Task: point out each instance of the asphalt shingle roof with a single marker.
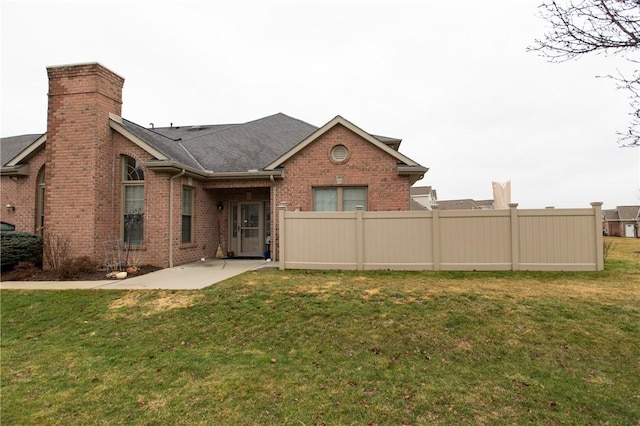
(610, 214)
(249, 146)
(212, 148)
(628, 212)
(421, 190)
(227, 147)
(465, 204)
(14, 145)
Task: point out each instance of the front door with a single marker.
(629, 229)
(250, 233)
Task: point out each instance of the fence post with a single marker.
(515, 237)
(435, 235)
(281, 234)
(597, 212)
(359, 238)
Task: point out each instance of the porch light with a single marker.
(11, 208)
(220, 206)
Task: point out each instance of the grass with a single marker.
(333, 348)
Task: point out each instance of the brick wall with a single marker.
(367, 166)
(83, 158)
(20, 191)
(204, 223)
(83, 155)
(157, 187)
(79, 177)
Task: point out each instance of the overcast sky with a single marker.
(451, 78)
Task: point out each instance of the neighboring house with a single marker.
(465, 204)
(623, 221)
(180, 192)
(423, 197)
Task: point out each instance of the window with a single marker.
(132, 201)
(325, 199)
(131, 170)
(187, 215)
(40, 202)
(7, 227)
(352, 197)
(331, 199)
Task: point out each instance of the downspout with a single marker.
(274, 218)
(171, 215)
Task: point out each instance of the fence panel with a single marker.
(475, 240)
(393, 241)
(319, 241)
(554, 239)
(542, 239)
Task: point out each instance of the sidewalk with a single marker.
(192, 276)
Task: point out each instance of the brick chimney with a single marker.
(80, 166)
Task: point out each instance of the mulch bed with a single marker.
(33, 273)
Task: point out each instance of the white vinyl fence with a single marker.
(538, 239)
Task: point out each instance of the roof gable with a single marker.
(225, 148)
(125, 129)
(628, 212)
(261, 145)
(157, 145)
(338, 120)
(16, 149)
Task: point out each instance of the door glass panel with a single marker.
(250, 215)
(250, 232)
(234, 226)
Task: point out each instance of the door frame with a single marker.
(235, 228)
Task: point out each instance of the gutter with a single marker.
(171, 180)
(409, 170)
(416, 172)
(274, 219)
(171, 166)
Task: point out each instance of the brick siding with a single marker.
(20, 191)
(367, 166)
(83, 201)
(78, 167)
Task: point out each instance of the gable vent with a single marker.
(339, 153)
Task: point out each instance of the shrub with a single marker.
(77, 267)
(18, 247)
(607, 247)
(56, 250)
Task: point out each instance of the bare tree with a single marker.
(610, 27)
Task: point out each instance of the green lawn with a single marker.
(334, 348)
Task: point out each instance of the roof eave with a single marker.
(116, 124)
(173, 167)
(167, 166)
(415, 173)
(259, 174)
(20, 170)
